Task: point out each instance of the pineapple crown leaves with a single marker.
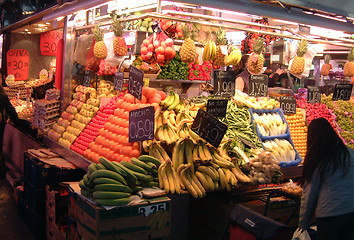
(117, 26)
(220, 37)
(258, 45)
(186, 31)
(302, 48)
(327, 58)
(351, 54)
(97, 34)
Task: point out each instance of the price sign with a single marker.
(141, 124)
(288, 104)
(18, 63)
(87, 78)
(217, 107)
(209, 128)
(118, 81)
(313, 94)
(136, 82)
(49, 42)
(342, 92)
(224, 83)
(147, 210)
(258, 85)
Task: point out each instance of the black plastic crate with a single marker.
(40, 174)
(35, 197)
(21, 204)
(36, 223)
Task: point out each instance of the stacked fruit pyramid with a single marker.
(298, 130)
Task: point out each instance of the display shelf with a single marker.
(178, 81)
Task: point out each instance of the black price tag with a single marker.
(224, 83)
(87, 78)
(136, 82)
(209, 128)
(288, 104)
(258, 85)
(313, 94)
(141, 124)
(342, 92)
(217, 107)
(118, 81)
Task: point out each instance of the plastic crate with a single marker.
(35, 197)
(36, 223)
(40, 174)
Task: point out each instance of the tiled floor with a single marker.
(12, 226)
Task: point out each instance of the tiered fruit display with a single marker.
(175, 70)
(112, 183)
(221, 42)
(188, 51)
(298, 65)
(349, 65)
(90, 132)
(157, 48)
(255, 61)
(209, 52)
(200, 72)
(144, 66)
(119, 45)
(270, 124)
(326, 67)
(298, 130)
(104, 89)
(343, 111)
(100, 48)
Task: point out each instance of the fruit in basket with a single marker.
(220, 40)
(255, 61)
(349, 66)
(298, 64)
(209, 52)
(280, 149)
(99, 49)
(188, 52)
(326, 67)
(119, 45)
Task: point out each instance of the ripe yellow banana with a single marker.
(223, 180)
(177, 154)
(160, 178)
(188, 152)
(162, 152)
(208, 171)
(241, 177)
(187, 183)
(198, 184)
(170, 178)
(189, 176)
(210, 181)
(176, 180)
(203, 180)
(166, 185)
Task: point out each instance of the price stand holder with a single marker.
(136, 82)
(313, 94)
(217, 107)
(342, 92)
(209, 128)
(87, 76)
(141, 124)
(118, 81)
(258, 85)
(224, 83)
(288, 104)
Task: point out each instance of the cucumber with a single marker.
(108, 174)
(112, 188)
(109, 195)
(113, 202)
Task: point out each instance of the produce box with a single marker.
(57, 205)
(140, 221)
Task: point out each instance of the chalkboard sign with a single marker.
(313, 94)
(217, 107)
(288, 105)
(141, 124)
(87, 78)
(118, 81)
(136, 82)
(342, 92)
(224, 83)
(258, 85)
(209, 128)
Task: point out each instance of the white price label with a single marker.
(147, 210)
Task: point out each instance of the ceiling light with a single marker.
(48, 23)
(26, 29)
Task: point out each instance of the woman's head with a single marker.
(325, 149)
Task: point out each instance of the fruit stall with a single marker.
(138, 109)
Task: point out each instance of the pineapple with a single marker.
(99, 49)
(255, 61)
(327, 66)
(349, 66)
(220, 40)
(119, 46)
(188, 52)
(298, 65)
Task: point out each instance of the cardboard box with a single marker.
(147, 220)
(57, 204)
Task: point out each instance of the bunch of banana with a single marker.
(171, 101)
(158, 221)
(183, 115)
(166, 133)
(191, 181)
(209, 177)
(183, 130)
(180, 107)
(201, 153)
(169, 179)
(183, 153)
(209, 52)
(158, 152)
(234, 57)
(220, 160)
(228, 180)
